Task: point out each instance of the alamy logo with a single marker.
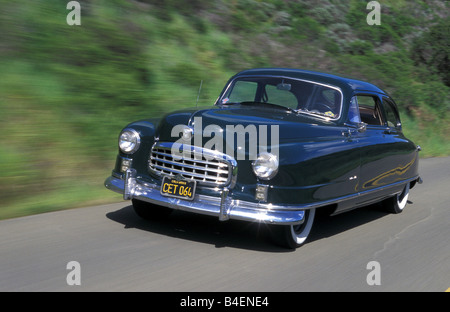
(374, 276)
(374, 16)
(241, 142)
(74, 276)
(74, 16)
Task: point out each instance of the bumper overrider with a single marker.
(224, 206)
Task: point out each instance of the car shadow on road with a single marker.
(201, 228)
(327, 226)
(239, 234)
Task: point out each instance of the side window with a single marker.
(326, 101)
(392, 118)
(281, 97)
(369, 109)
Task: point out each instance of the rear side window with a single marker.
(369, 109)
(392, 118)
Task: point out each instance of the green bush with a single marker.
(432, 49)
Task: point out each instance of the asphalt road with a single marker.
(117, 251)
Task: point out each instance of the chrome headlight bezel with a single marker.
(265, 166)
(129, 141)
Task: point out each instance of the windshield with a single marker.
(291, 94)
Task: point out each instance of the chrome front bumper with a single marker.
(223, 207)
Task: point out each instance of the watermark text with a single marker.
(74, 276)
(374, 16)
(74, 16)
(239, 141)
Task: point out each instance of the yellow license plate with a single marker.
(183, 189)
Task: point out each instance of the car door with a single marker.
(377, 144)
(387, 157)
(403, 156)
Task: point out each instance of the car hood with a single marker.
(291, 126)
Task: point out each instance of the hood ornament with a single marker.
(187, 133)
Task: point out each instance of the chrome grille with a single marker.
(204, 166)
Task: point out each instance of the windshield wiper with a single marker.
(230, 103)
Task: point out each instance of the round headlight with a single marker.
(129, 141)
(265, 166)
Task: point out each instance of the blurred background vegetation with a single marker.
(67, 91)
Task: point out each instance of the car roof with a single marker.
(347, 85)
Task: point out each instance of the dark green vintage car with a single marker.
(277, 145)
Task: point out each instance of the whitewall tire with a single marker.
(397, 203)
(294, 236)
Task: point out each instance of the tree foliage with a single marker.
(432, 49)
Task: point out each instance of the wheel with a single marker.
(294, 236)
(149, 211)
(397, 203)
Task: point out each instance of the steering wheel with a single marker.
(317, 106)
